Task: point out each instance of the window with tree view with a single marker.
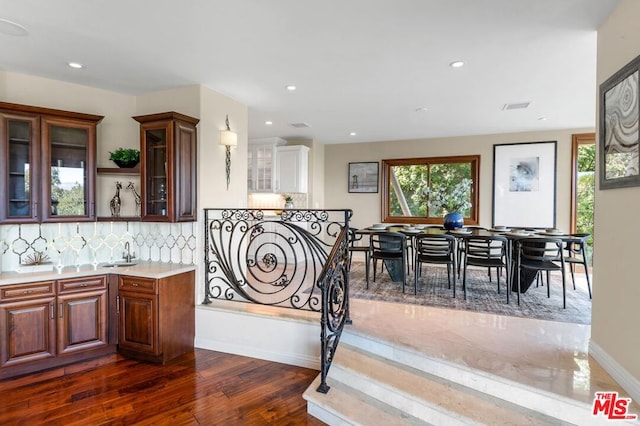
(423, 190)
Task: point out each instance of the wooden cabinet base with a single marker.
(27, 368)
(156, 317)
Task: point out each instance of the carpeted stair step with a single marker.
(343, 405)
(428, 398)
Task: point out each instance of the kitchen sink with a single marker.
(119, 264)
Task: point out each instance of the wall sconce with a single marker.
(228, 139)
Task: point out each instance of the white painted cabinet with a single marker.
(261, 154)
(292, 168)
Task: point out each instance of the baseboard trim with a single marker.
(254, 352)
(618, 372)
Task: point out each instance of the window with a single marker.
(404, 182)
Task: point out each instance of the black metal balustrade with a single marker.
(296, 260)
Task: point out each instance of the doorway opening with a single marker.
(583, 161)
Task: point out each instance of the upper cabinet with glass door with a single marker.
(49, 173)
(168, 179)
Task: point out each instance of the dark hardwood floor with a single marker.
(201, 388)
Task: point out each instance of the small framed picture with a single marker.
(363, 177)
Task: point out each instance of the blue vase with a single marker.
(453, 220)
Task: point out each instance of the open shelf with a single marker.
(119, 171)
(119, 219)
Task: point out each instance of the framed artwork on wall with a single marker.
(363, 177)
(524, 184)
(619, 148)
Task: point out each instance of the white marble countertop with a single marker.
(143, 269)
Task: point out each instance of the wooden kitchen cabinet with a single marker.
(168, 174)
(51, 323)
(82, 314)
(27, 323)
(156, 316)
(48, 174)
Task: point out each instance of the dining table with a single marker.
(527, 277)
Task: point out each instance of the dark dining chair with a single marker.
(355, 246)
(487, 251)
(540, 254)
(435, 249)
(391, 248)
(575, 249)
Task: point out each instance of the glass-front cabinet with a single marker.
(168, 177)
(48, 160)
(69, 170)
(19, 188)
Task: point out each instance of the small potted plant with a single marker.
(288, 201)
(125, 157)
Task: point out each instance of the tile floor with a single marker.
(550, 356)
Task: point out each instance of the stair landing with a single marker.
(420, 364)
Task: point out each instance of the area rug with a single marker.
(482, 294)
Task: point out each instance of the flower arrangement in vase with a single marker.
(451, 200)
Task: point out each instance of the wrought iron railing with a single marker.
(296, 260)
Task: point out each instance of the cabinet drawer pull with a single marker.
(27, 292)
(84, 285)
(134, 284)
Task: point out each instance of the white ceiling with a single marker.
(360, 65)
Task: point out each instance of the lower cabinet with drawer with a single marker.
(51, 323)
(156, 316)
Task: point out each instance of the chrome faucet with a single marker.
(127, 255)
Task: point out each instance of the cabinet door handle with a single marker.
(60, 309)
(51, 308)
(35, 209)
(118, 304)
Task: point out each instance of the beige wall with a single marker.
(617, 290)
(366, 207)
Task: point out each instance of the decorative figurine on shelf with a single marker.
(162, 192)
(115, 201)
(136, 195)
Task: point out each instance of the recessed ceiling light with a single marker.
(11, 28)
(456, 64)
(268, 122)
(542, 118)
(75, 65)
(352, 133)
(422, 109)
(291, 87)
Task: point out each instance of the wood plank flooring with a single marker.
(201, 388)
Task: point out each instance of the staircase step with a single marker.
(423, 396)
(343, 405)
(554, 407)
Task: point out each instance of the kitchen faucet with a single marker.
(127, 256)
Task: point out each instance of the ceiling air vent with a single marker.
(518, 105)
(300, 125)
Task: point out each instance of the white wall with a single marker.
(616, 294)
(367, 208)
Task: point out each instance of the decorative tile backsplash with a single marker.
(70, 244)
